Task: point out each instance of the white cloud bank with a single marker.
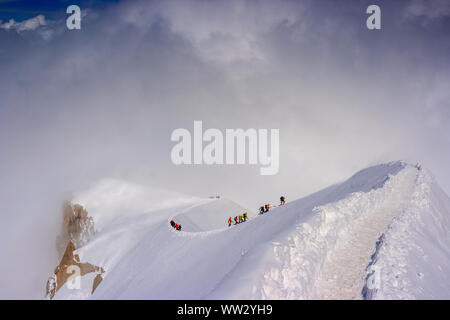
(26, 25)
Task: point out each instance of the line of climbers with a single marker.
(265, 208)
(238, 219)
(175, 225)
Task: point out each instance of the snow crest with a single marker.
(325, 257)
(413, 258)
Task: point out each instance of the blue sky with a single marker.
(53, 9)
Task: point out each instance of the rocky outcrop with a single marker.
(70, 266)
(76, 230)
(77, 227)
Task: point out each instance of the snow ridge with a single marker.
(413, 258)
(325, 257)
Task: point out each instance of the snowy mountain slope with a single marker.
(316, 247)
(323, 243)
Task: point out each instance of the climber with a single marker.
(172, 223)
(266, 207)
(240, 218)
(261, 210)
(229, 222)
(179, 227)
(236, 220)
(245, 216)
(282, 200)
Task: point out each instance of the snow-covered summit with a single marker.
(383, 233)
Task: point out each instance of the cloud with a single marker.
(26, 25)
(45, 29)
(224, 31)
(428, 11)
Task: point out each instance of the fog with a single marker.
(77, 106)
